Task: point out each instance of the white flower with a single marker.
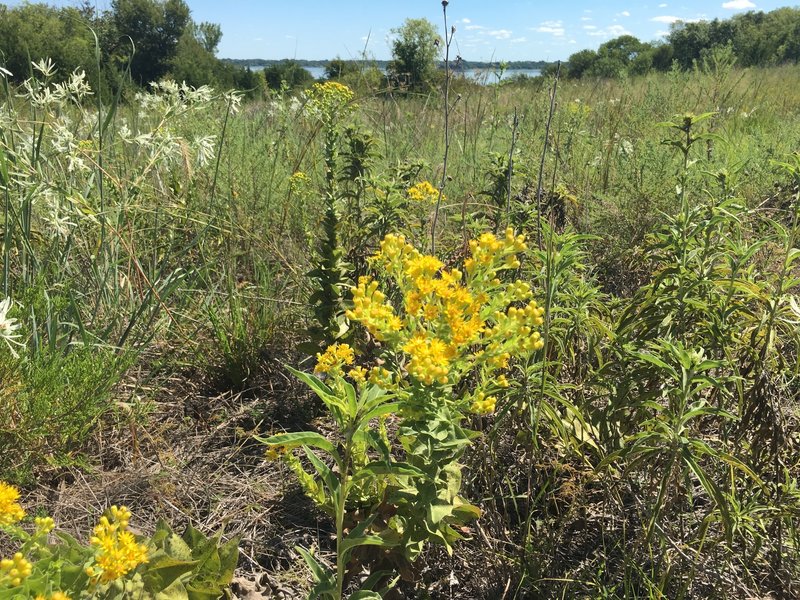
(8, 326)
(204, 147)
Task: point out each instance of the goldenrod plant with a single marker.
(444, 351)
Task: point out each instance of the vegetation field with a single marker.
(529, 340)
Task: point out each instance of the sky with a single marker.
(485, 29)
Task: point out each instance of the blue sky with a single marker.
(485, 30)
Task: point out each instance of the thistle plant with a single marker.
(443, 351)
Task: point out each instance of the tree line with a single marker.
(754, 39)
(133, 42)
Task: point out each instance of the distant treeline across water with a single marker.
(486, 75)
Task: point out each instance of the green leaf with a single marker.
(163, 570)
(320, 389)
(381, 410)
(328, 477)
(383, 467)
(352, 404)
(657, 362)
(300, 438)
(320, 573)
(176, 547)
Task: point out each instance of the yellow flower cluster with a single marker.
(330, 97)
(488, 248)
(273, 453)
(483, 404)
(424, 193)
(381, 376)
(118, 552)
(334, 358)
(44, 525)
(13, 571)
(54, 596)
(370, 307)
(453, 324)
(298, 182)
(430, 358)
(10, 509)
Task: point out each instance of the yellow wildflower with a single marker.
(13, 571)
(275, 452)
(430, 358)
(10, 509)
(358, 374)
(44, 525)
(334, 357)
(381, 377)
(483, 404)
(370, 307)
(424, 192)
(118, 552)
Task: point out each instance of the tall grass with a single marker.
(647, 451)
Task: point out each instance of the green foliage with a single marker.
(52, 403)
(415, 49)
(287, 74)
(156, 27)
(338, 68)
(144, 39)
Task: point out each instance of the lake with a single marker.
(484, 76)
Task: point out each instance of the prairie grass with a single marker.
(647, 450)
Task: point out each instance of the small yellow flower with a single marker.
(358, 374)
(334, 357)
(14, 570)
(44, 525)
(117, 551)
(424, 193)
(10, 509)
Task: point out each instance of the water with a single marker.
(484, 76)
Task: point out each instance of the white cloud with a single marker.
(501, 34)
(586, 18)
(669, 20)
(555, 28)
(663, 5)
(465, 20)
(738, 4)
(617, 30)
(611, 31)
(624, 13)
(519, 40)
(666, 19)
(474, 27)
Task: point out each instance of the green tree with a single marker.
(580, 63)
(156, 27)
(415, 48)
(288, 73)
(209, 35)
(32, 32)
(338, 68)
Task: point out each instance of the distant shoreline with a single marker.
(382, 64)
